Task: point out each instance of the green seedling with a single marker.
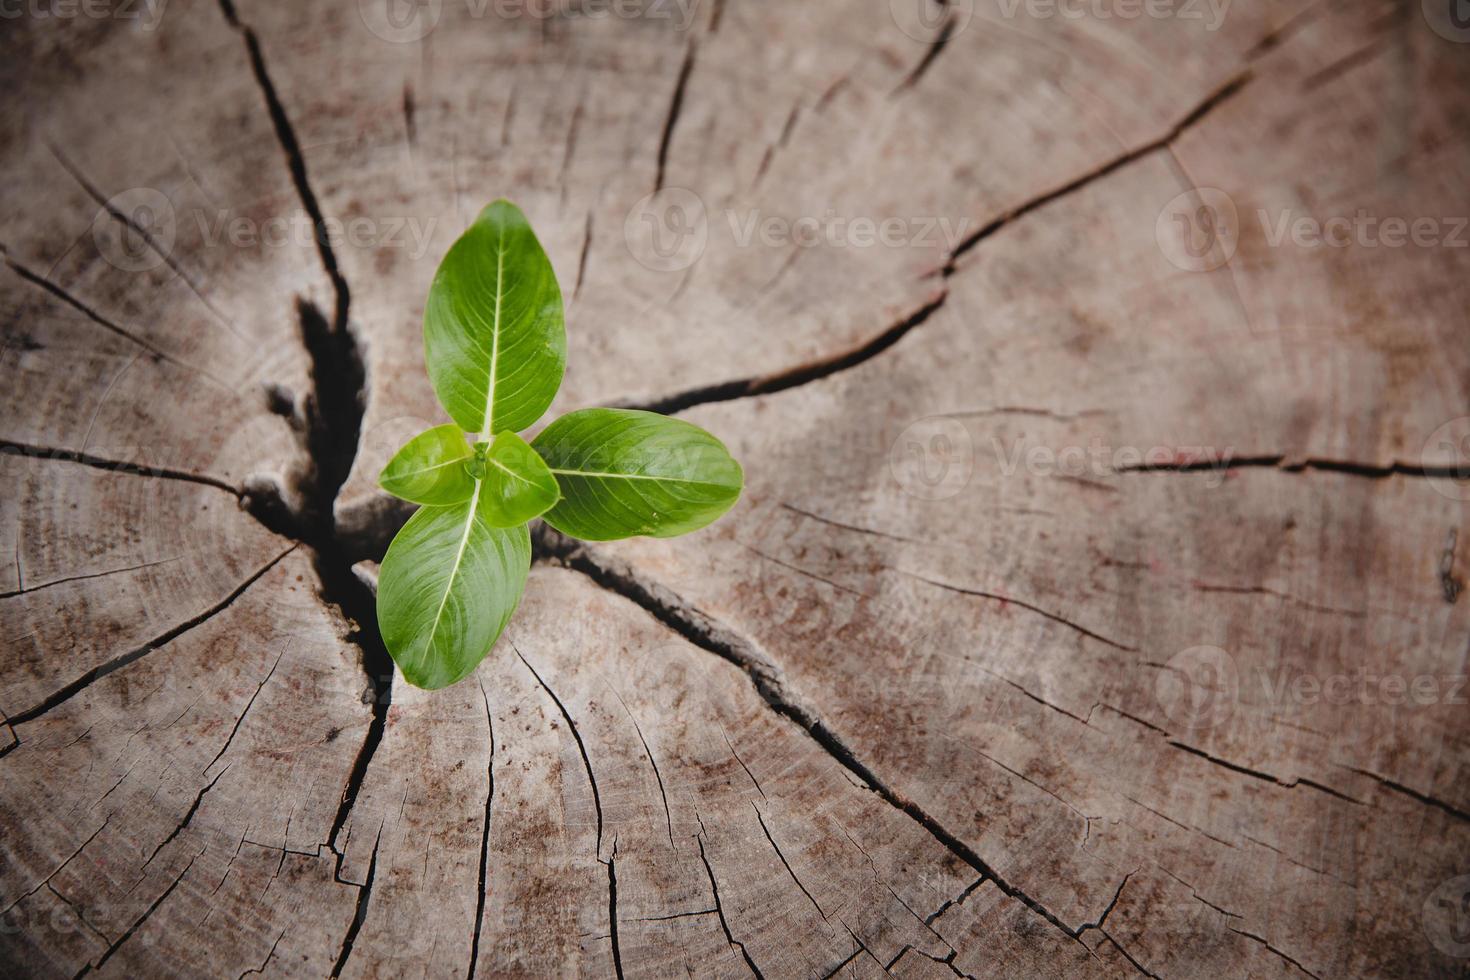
(495, 348)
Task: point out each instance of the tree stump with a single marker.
(1093, 607)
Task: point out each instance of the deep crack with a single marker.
(1204, 108)
(676, 104)
(825, 367)
(359, 915)
(334, 424)
(1279, 461)
(714, 637)
(581, 747)
(720, 908)
(802, 374)
(11, 448)
(484, 840)
(69, 691)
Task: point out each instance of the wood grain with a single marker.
(1093, 608)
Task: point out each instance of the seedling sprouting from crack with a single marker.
(495, 348)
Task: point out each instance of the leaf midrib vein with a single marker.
(454, 569)
(641, 476)
(429, 469)
(513, 474)
(488, 428)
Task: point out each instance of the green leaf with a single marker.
(494, 340)
(624, 473)
(447, 588)
(430, 468)
(518, 484)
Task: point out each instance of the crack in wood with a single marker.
(1412, 793)
(60, 867)
(785, 863)
(794, 377)
(141, 919)
(66, 297)
(295, 159)
(481, 894)
(581, 746)
(335, 415)
(671, 119)
(11, 448)
(1129, 957)
(1180, 824)
(90, 575)
(826, 367)
(1450, 585)
(932, 53)
(188, 816)
(1264, 776)
(68, 691)
(146, 236)
(1211, 102)
(1279, 461)
(996, 596)
(268, 956)
(612, 909)
(248, 705)
(957, 900)
(359, 915)
(768, 680)
(720, 908)
(582, 256)
(1273, 949)
(1102, 919)
(668, 816)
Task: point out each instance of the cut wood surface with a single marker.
(1093, 608)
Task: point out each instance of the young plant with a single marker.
(495, 347)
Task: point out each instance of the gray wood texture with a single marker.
(1093, 607)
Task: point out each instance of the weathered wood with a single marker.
(1092, 609)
